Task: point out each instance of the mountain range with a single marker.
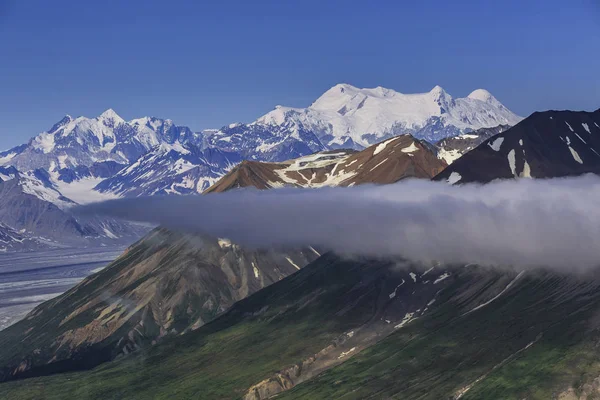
(80, 160)
(206, 318)
(76, 149)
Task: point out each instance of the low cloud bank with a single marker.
(553, 223)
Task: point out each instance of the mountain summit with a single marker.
(346, 115)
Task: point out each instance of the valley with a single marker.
(30, 278)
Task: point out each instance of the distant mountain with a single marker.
(170, 169)
(108, 156)
(31, 205)
(12, 240)
(387, 162)
(82, 141)
(452, 148)
(349, 117)
(81, 160)
(544, 145)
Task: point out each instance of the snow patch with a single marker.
(575, 155)
(580, 138)
(569, 126)
(109, 234)
(7, 158)
(44, 142)
(410, 149)
(496, 144)
(498, 295)
(454, 178)
(393, 294)
(526, 170)
(345, 353)
(586, 127)
(224, 243)
(449, 156)
(407, 318)
(413, 276)
(441, 278)
(381, 146)
(82, 191)
(512, 162)
(292, 262)
(314, 251)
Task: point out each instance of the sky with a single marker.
(206, 64)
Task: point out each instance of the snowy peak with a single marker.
(438, 92)
(110, 118)
(82, 142)
(67, 119)
(362, 117)
(482, 95)
(344, 95)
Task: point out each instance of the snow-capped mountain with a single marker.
(74, 147)
(171, 169)
(258, 141)
(349, 117)
(31, 205)
(89, 159)
(546, 144)
(452, 148)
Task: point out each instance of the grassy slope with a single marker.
(434, 358)
(223, 359)
(431, 358)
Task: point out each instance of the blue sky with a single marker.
(205, 64)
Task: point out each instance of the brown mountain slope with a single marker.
(386, 162)
(166, 284)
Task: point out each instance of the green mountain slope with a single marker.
(355, 329)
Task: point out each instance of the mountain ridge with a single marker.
(547, 144)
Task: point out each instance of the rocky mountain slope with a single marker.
(362, 328)
(544, 145)
(387, 162)
(452, 148)
(165, 285)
